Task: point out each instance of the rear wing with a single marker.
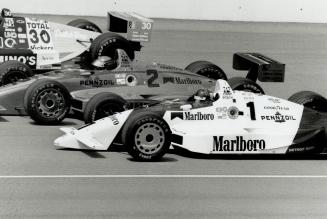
(137, 27)
(259, 67)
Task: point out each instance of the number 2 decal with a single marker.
(154, 75)
(252, 110)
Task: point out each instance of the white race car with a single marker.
(31, 46)
(222, 122)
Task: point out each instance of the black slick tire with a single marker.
(47, 102)
(244, 84)
(106, 45)
(11, 71)
(310, 99)
(102, 105)
(84, 24)
(206, 69)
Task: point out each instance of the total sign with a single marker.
(39, 35)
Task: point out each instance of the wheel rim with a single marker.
(13, 76)
(107, 109)
(149, 138)
(50, 103)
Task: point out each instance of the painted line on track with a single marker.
(159, 176)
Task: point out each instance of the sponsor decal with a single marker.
(20, 21)
(96, 82)
(237, 144)
(114, 119)
(10, 34)
(278, 117)
(38, 25)
(22, 41)
(187, 81)
(276, 107)
(168, 79)
(178, 80)
(22, 36)
(222, 112)
(9, 22)
(10, 42)
(192, 116)
(41, 47)
(233, 112)
(227, 93)
(274, 100)
(301, 149)
(29, 60)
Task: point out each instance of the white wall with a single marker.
(240, 10)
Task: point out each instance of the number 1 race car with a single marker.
(123, 84)
(29, 45)
(224, 122)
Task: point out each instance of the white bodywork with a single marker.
(238, 122)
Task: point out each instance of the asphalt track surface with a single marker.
(39, 181)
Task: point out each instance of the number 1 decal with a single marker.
(252, 110)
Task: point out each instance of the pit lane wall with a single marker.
(313, 11)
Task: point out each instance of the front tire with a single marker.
(12, 71)
(146, 136)
(310, 99)
(206, 69)
(244, 84)
(102, 105)
(47, 102)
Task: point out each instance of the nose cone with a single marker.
(69, 141)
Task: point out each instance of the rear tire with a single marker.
(206, 69)
(102, 105)
(310, 99)
(12, 71)
(106, 45)
(85, 24)
(47, 102)
(244, 84)
(146, 136)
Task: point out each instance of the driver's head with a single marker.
(105, 62)
(5, 12)
(202, 94)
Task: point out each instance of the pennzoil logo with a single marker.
(237, 144)
(278, 117)
(192, 116)
(96, 82)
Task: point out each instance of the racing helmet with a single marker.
(105, 62)
(5, 12)
(202, 95)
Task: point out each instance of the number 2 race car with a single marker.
(123, 84)
(29, 45)
(224, 122)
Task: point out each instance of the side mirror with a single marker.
(86, 74)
